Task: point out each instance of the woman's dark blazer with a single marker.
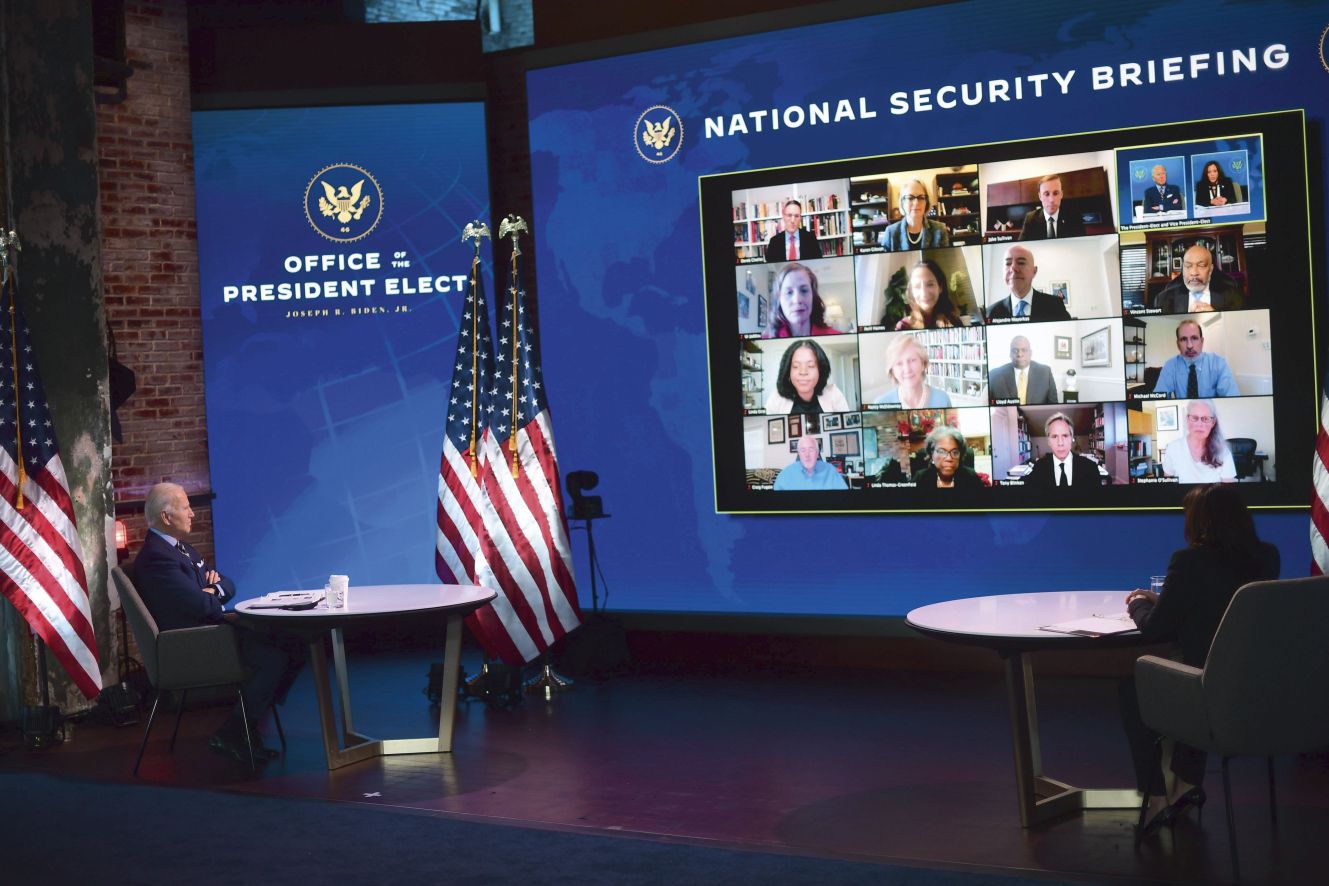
(965, 478)
(1200, 584)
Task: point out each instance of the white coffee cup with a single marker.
(338, 589)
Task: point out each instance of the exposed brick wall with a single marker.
(150, 262)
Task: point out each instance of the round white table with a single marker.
(367, 603)
(1010, 624)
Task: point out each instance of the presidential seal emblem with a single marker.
(658, 135)
(343, 202)
(1324, 58)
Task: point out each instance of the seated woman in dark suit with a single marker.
(946, 451)
(1222, 554)
(1214, 188)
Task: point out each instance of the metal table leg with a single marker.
(1040, 797)
(352, 747)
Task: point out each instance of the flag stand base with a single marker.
(497, 685)
(43, 727)
(548, 683)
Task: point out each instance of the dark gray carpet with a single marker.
(55, 831)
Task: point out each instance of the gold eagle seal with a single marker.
(343, 202)
(658, 134)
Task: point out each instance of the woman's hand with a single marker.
(1141, 594)
(903, 324)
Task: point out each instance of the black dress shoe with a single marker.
(236, 750)
(260, 749)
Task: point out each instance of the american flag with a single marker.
(462, 509)
(1320, 493)
(41, 560)
(516, 530)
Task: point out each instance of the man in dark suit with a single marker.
(1200, 288)
(806, 245)
(1062, 468)
(1048, 222)
(1161, 197)
(1023, 300)
(180, 590)
(1004, 382)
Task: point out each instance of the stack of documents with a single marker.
(285, 599)
(1093, 626)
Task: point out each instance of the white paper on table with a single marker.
(1093, 626)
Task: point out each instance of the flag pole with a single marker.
(474, 231)
(513, 224)
(7, 242)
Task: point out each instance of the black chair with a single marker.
(1261, 690)
(184, 659)
(1243, 456)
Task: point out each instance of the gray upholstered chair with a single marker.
(182, 659)
(1261, 691)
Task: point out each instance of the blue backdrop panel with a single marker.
(325, 415)
(618, 251)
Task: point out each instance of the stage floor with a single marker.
(901, 767)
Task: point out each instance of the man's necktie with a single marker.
(1192, 384)
(1020, 308)
(1022, 384)
(792, 240)
(1052, 228)
(1062, 481)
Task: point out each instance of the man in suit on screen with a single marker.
(1161, 196)
(1192, 373)
(1022, 379)
(1048, 222)
(793, 243)
(1199, 288)
(1062, 468)
(1022, 301)
(180, 590)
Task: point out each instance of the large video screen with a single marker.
(1094, 321)
(646, 331)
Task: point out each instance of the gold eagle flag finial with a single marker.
(513, 224)
(475, 230)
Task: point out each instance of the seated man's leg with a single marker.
(274, 666)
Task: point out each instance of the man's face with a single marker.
(178, 515)
(793, 217)
(1049, 194)
(1190, 341)
(1060, 438)
(808, 452)
(1160, 176)
(1196, 268)
(1020, 270)
(1021, 353)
